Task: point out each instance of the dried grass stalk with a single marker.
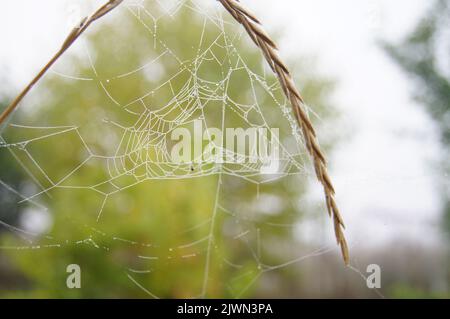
(269, 50)
(71, 38)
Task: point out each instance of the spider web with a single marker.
(208, 77)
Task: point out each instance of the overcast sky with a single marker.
(383, 170)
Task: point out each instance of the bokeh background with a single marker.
(377, 74)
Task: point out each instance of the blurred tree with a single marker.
(154, 232)
(10, 184)
(424, 54)
(12, 181)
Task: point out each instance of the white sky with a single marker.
(382, 169)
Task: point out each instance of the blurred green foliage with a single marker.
(407, 292)
(424, 55)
